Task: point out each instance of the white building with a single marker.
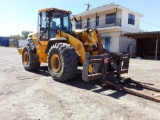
(22, 43)
(112, 21)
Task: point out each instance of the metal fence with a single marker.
(99, 24)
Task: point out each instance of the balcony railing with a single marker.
(99, 24)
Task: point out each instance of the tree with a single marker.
(15, 38)
(25, 34)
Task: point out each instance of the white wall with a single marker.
(122, 14)
(128, 27)
(114, 45)
(102, 17)
(22, 43)
(73, 24)
(125, 42)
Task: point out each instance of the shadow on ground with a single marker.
(95, 86)
(43, 70)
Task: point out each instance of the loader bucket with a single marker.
(105, 65)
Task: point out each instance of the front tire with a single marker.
(28, 60)
(62, 62)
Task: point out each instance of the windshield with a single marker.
(60, 21)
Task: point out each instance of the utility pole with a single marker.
(88, 6)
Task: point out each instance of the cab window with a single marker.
(43, 20)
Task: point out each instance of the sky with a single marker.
(19, 15)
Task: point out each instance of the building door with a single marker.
(107, 43)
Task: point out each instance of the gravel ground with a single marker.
(32, 96)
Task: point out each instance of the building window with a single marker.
(88, 22)
(97, 20)
(110, 18)
(131, 19)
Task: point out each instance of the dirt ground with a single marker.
(32, 96)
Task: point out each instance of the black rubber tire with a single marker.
(31, 65)
(69, 62)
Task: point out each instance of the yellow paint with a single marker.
(75, 43)
(56, 63)
(43, 42)
(40, 49)
(83, 38)
(44, 10)
(26, 57)
(20, 50)
(36, 41)
(41, 53)
(85, 41)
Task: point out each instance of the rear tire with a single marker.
(62, 62)
(28, 60)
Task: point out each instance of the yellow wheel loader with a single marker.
(64, 50)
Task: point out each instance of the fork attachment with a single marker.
(105, 65)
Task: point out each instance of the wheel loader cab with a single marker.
(51, 20)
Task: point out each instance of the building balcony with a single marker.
(99, 24)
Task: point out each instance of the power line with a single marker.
(150, 23)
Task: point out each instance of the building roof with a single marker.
(105, 8)
(153, 34)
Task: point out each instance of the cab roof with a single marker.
(56, 9)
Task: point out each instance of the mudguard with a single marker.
(54, 39)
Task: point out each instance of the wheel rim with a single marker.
(26, 58)
(56, 63)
